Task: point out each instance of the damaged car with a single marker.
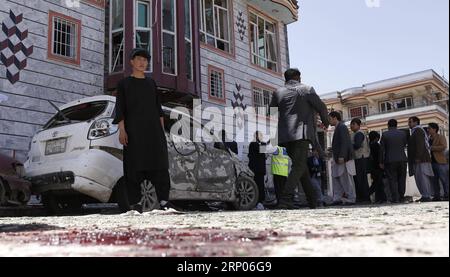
(77, 159)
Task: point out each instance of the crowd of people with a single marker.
(388, 157)
(354, 156)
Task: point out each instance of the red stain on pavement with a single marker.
(158, 242)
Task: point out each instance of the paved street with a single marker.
(402, 230)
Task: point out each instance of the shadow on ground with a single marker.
(19, 228)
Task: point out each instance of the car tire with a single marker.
(23, 198)
(247, 194)
(126, 199)
(61, 206)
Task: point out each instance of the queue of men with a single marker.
(354, 156)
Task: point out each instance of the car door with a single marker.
(216, 171)
(183, 157)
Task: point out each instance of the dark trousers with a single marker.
(279, 182)
(298, 152)
(361, 181)
(396, 174)
(440, 176)
(377, 185)
(260, 182)
(159, 178)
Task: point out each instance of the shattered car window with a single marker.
(78, 113)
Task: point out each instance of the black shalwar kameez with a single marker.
(146, 155)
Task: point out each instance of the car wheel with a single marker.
(23, 198)
(147, 197)
(149, 200)
(61, 206)
(3, 195)
(247, 194)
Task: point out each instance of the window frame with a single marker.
(149, 29)
(98, 3)
(189, 40)
(203, 32)
(362, 111)
(51, 30)
(223, 99)
(110, 67)
(264, 88)
(273, 21)
(173, 33)
(393, 109)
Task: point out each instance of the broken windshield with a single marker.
(79, 113)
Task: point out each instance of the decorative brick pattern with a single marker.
(242, 28)
(239, 106)
(15, 47)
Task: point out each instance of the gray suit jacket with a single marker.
(342, 146)
(393, 146)
(298, 106)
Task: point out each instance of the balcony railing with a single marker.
(414, 109)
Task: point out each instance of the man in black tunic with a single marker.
(141, 124)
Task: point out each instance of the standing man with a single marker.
(298, 105)
(280, 170)
(375, 170)
(362, 153)
(140, 118)
(257, 163)
(394, 161)
(342, 166)
(439, 162)
(420, 159)
(317, 169)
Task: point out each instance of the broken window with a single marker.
(263, 40)
(398, 104)
(188, 38)
(143, 27)
(79, 113)
(169, 31)
(215, 23)
(117, 38)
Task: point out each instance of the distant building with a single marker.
(423, 94)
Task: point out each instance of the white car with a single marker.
(77, 158)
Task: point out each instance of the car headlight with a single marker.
(102, 128)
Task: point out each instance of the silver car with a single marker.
(77, 158)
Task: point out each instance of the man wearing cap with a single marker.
(141, 123)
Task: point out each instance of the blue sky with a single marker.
(338, 44)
